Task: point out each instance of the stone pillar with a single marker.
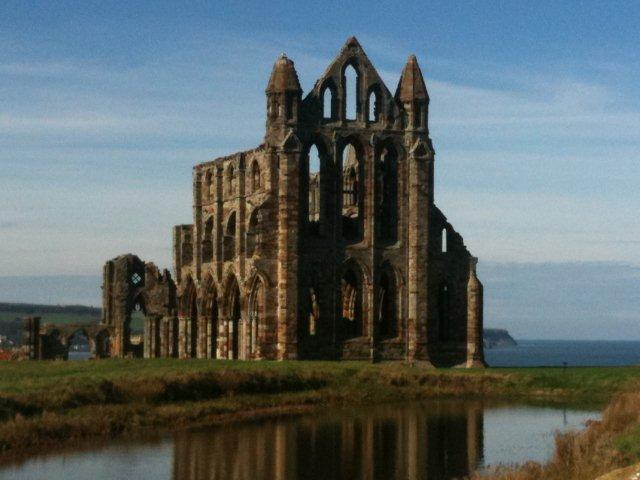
(31, 337)
(223, 336)
(288, 233)
(183, 337)
(475, 350)
(146, 338)
(197, 224)
(218, 228)
(418, 224)
(202, 337)
(240, 223)
(173, 341)
(208, 335)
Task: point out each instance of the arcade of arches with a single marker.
(323, 242)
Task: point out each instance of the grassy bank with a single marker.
(604, 446)
(45, 404)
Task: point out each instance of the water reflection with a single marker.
(434, 440)
(437, 440)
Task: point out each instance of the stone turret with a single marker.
(475, 356)
(412, 93)
(283, 98)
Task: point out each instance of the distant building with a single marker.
(323, 242)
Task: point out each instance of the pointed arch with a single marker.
(352, 300)
(352, 191)
(230, 180)
(207, 241)
(256, 182)
(351, 90)
(387, 192)
(256, 311)
(328, 96)
(211, 311)
(134, 319)
(444, 240)
(291, 143)
(374, 104)
(233, 310)
(189, 311)
(229, 240)
(313, 188)
(254, 232)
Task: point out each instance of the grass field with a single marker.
(584, 383)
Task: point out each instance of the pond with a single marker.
(435, 440)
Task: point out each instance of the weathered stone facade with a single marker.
(52, 342)
(323, 242)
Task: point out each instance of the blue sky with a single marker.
(105, 107)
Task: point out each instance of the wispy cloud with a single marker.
(520, 167)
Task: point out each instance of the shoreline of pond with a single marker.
(51, 404)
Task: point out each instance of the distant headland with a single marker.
(497, 338)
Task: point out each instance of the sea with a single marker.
(561, 353)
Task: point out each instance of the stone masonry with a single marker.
(322, 243)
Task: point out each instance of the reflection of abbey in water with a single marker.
(323, 242)
(435, 441)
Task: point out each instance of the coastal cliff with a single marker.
(497, 338)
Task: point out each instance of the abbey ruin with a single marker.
(324, 242)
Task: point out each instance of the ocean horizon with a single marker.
(570, 353)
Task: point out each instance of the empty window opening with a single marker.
(350, 167)
(230, 238)
(327, 103)
(444, 240)
(256, 314)
(314, 311)
(207, 186)
(255, 176)
(314, 185)
(254, 232)
(374, 107)
(230, 180)
(289, 97)
(351, 289)
(133, 328)
(207, 241)
(387, 195)
(78, 346)
(351, 194)
(419, 115)
(351, 92)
